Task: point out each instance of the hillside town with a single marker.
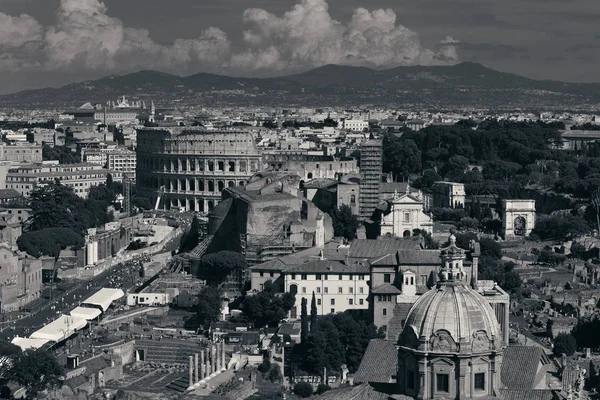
(157, 252)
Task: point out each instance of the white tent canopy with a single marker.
(27, 344)
(103, 298)
(60, 329)
(86, 313)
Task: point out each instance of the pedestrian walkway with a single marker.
(213, 383)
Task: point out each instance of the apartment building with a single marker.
(81, 177)
(22, 152)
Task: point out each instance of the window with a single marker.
(387, 278)
(333, 311)
(351, 290)
(384, 312)
(442, 383)
(406, 217)
(361, 277)
(318, 302)
(333, 302)
(271, 274)
(303, 289)
(361, 290)
(480, 381)
(303, 277)
(361, 302)
(293, 276)
(262, 287)
(318, 277)
(324, 277)
(341, 277)
(350, 302)
(326, 289)
(340, 290)
(350, 277)
(262, 274)
(318, 290)
(423, 279)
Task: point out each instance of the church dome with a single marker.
(448, 315)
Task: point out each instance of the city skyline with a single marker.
(59, 42)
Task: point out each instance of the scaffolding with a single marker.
(370, 177)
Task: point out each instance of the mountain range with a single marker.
(465, 85)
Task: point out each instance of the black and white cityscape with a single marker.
(313, 199)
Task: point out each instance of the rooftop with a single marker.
(379, 364)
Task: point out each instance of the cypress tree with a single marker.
(303, 322)
(313, 313)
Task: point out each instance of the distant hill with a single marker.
(465, 85)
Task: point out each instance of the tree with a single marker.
(49, 241)
(313, 313)
(36, 370)
(215, 267)
(401, 157)
(559, 227)
(564, 343)
(209, 305)
(8, 352)
(303, 389)
(322, 388)
(304, 322)
(344, 223)
(595, 200)
(275, 374)
(267, 307)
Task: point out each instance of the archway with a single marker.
(310, 175)
(520, 226)
(294, 289)
(407, 233)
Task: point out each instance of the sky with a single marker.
(54, 42)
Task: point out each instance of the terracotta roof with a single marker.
(388, 259)
(394, 328)
(386, 288)
(369, 248)
(520, 367)
(359, 392)
(271, 265)
(379, 364)
(423, 257)
(533, 394)
(328, 266)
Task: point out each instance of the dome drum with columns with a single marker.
(451, 344)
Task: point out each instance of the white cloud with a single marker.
(307, 36)
(86, 38)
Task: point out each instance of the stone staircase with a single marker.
(168, 352)
(179, 385)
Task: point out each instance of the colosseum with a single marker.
(190, 167)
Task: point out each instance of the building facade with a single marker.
(518, 219)
(80, 177)
(20, 279)
(187, 169)
(338, 286)
(24, 152)
(370, 176)
(309, 166)
(448, 194)
(403, 214)
(121, 160)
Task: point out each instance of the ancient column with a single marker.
(223, 364)
(207, 370)
(191, 368)
(196, 380)
(202, 365)
(212, 359)
(218, 357)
